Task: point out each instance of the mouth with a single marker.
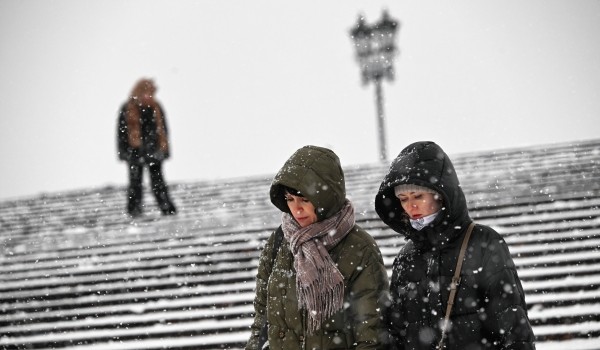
(303, 221)
(416, 216)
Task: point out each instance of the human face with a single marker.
(419, 204)
(302, 209)
(146, 97)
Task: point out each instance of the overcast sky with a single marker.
(245, 83)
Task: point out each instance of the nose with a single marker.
(413, 206)
(296, 207)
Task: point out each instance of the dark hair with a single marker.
(292, 191)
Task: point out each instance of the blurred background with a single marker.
(245, 83)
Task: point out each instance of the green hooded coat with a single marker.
(317, 174)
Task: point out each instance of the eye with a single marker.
(305, 200)
(418, 196)
(289, 199)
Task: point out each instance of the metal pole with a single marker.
(380, 120)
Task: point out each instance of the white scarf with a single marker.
(419, 223)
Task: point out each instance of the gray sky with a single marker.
(245, 83)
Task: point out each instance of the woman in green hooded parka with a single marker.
(326, 286)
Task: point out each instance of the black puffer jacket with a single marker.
(489, 310)
(150, 150)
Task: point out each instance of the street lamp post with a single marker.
(375, 51)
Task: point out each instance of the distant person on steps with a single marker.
(142, 139)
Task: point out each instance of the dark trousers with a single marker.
(159, 188)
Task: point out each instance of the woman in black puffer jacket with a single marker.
(421, 199)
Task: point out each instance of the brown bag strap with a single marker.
(454, 285)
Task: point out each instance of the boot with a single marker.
(165, 204)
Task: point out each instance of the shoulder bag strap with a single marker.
(454, 285)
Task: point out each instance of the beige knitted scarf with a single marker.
(319, 284)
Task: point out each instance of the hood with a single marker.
(317, 173)
(424, 164)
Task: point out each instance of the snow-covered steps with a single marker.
(77, 273)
